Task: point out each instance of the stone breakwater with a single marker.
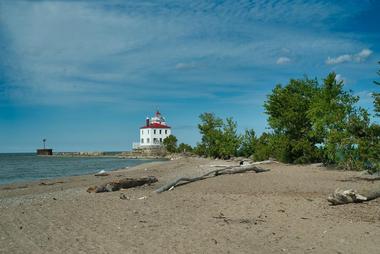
(83, 154)
(153, 153)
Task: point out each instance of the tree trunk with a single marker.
(122, 184)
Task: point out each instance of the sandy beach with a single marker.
(281, 211)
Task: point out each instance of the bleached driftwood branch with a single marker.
(220, 171)
(252, 163)
(369, 178)
(340, 197)
(122, 184)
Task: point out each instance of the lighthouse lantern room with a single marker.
(154, 132)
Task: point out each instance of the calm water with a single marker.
(26, 167)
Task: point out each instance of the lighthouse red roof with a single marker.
(156, 126)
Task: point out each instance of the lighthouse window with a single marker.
(142, 141)
(154, 131)
(166, 131)
(148, 131)
(160, 139)
(148, 140)
(160, 131)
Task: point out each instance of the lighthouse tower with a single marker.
(153, 133)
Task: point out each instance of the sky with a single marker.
(86, 74)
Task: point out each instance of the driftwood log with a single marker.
(122, 184)
(370, 178)
(220, 171)
(340, 197)
(102, 173)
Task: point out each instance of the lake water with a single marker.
(26, 167)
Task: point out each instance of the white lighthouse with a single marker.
(153, 133)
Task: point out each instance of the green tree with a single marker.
(359, 147)
(184, 148)
(347, 137)
(170, 143)
(219, 138)
(229, 142)
(374, 152)
(376, 96)
(352, 149)
(263, 147)
(210, 129)
(329, 113)
(313, 122)
(248, 143)
(287, 108)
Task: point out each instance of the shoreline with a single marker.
(63, 183)
(47, 179)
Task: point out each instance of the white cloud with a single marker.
(363, 55)
(339, 59)
(359, 57)
(339, 77)
(185, 66)
(283, 60)
(65, 50)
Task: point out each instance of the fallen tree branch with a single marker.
(220, 171)
(368, 178)
(252, 163)
(340, 197)
(122, 184)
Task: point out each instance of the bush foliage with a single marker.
(170, 143)
(219, 138)
(309, 122)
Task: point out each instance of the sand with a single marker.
(280, 211)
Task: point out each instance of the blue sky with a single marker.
(85, 74)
